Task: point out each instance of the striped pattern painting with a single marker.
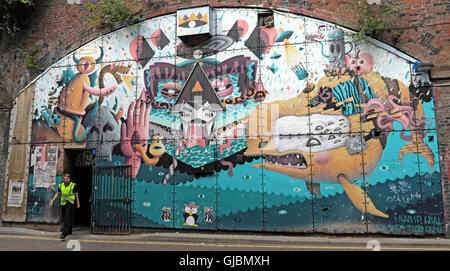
(347, 95)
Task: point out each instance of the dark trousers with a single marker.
(67, 216)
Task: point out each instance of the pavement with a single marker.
(162, 239)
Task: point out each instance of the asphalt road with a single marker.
(19, 239)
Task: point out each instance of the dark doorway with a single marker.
(83, 178)
(80, 166)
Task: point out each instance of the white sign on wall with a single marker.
(15, 193)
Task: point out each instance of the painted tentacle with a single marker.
(171, 171)
(401, 113)
(99, 92)
(230, 166)
(77, 120)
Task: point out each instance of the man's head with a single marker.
(66, 177)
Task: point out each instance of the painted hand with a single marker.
(135, 133)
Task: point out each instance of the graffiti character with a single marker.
(359, 63)
(316, 37)
(191, 214)
(74, 99)
(336, 49)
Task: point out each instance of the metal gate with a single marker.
(111, 200)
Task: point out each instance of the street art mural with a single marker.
(291, 127)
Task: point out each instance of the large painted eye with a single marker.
(94, 129)
(332, 48)
(192, 24)
(85, 64)
(108, 127)
(338, 48)
(313, 142)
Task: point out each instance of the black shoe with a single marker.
(62, 237)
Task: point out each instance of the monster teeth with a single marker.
(290, 160)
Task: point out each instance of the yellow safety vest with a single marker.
(67, 194)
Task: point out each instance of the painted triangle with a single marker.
(197, 87)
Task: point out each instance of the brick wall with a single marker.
(422, 31)
(4, 137)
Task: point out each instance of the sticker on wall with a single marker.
(191, 214)
(166, 214)
(208, 215)
(43, 160)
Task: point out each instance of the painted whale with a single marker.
(333, 127)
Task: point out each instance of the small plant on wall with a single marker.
(29, 56)
(105, 13)
(372, 17)
(13, 15)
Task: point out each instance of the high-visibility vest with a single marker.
(67, 194)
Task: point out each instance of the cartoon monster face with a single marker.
(157, 147)
(336, 48)
(362, 64)
(86, 65)
(104, 134)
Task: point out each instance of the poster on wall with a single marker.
(44, 166)
(15, 194)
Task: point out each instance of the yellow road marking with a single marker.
(166, 243)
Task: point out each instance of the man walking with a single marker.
(68, 192)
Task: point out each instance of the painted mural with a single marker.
(291, 127)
